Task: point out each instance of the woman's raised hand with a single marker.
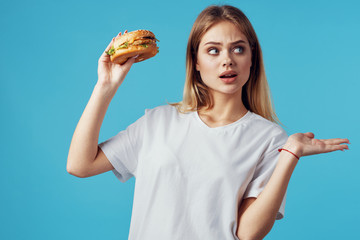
(304, 144)
(112, 74)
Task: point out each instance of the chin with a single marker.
(228, 90)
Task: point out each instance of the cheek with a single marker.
(206, 69)
(200, 66)
(244, 68)
(205, 65)
(246, 65)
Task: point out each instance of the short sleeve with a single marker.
(122, 150)
(265, 168)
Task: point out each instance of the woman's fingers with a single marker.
(129, 62)
(110, 44)
(334, 144)
(331, 148)
(121, 33)
(335, 141)
(323, 148)
(104, 55)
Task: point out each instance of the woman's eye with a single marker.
(238, 49)
(213, 51)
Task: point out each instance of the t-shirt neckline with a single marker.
(227, 126)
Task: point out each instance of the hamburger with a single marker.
(139, 42)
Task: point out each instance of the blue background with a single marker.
(49, 54)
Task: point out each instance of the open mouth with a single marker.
(228, 76)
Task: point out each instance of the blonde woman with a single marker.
(215, 165)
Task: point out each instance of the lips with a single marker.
(228, 74)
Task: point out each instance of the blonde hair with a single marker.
(255, 93)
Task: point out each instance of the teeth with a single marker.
(229, 75)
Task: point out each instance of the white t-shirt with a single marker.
(190, 178)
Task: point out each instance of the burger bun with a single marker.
(140, 43)
(142, 53)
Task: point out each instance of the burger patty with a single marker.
(137, 42)
(143, 41)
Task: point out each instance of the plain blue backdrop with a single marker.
(49, 54)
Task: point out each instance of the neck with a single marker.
(227, 109)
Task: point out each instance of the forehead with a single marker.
(223, 32)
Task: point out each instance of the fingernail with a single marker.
(136, 56)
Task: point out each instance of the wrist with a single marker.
(293, 148)
(105, 88)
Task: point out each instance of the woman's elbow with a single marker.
(76, 174)
(254, 234)
(76, 171)
(248, 237)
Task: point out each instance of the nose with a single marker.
(227, 61)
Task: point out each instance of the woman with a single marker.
(208, 167)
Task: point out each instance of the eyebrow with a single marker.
(217, 43)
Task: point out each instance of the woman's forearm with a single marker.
(259, 217)
(84, 144)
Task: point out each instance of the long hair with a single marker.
(255, 93)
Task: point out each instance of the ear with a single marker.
(197, 67)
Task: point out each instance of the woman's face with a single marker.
(224, 59)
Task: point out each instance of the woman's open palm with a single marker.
(306, 144)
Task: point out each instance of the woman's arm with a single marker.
(257, 216)
(85, 158)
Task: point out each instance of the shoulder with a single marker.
(271, 136)
(165, 118)
(163, 110)
(265, 127)
(164, 114)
